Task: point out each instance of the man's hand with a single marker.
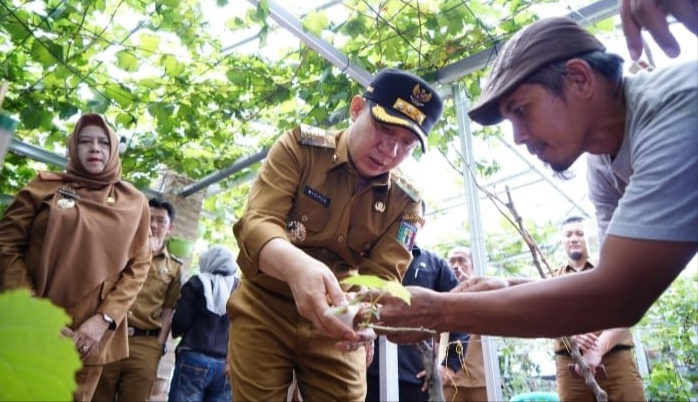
(315, 289)
(420, 375)
(66, 332)
(394, 312)
(88, 335)
(592, 358)
(447, 375)
(370, 351)
(481, 283)
(652, 15)
(586, 342)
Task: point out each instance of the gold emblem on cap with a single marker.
(409, 110)
(420, 96)
(379, 113)
(379, 206)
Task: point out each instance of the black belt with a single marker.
(133, 331)
(614, 349)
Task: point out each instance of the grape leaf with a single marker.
(37, 363)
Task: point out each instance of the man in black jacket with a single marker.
(430, 271)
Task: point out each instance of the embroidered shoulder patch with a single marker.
(50, 176)
(406, 185)
(407, 234)
(413, 218)
(317, 137)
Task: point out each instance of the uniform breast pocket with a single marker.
(361, 239)
(159, 278)
(313, 218)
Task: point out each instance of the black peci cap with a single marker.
(402, 99)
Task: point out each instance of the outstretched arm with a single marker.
(630, 276)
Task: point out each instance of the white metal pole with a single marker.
(477, 240)
(387, 370)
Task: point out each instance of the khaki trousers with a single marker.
(623, 382)
(464, 394)
(131, 379)
(87, 379)
(269, 340)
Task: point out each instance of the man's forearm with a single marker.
(519, 281)
(166, 320)
(536, 309)
(278, 258)
(614, 294)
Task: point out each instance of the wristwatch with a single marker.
(109, 320)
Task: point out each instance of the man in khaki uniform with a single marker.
(149, 318)
(608, 353)
(467, 384)
(324, 207)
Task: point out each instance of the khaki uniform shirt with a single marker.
(26, 224)
(308, 192)
(472, 374)
(160, 290)
(559, 346)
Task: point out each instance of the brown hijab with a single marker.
(94, 232)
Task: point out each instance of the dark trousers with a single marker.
(409, 392)
(198, 377)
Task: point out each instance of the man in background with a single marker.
(149, 318)
(466, 383)
(430, 271)
(608, 353)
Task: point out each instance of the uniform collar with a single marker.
(163, 253)
(587, 266)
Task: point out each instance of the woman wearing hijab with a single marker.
(200, 318)
(80, 239)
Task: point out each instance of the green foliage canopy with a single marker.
(185, 102)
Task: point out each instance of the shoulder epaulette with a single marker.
(317, 137)
(50, 176)
(406, 185)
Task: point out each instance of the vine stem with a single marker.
(401, 330)
(537, 255)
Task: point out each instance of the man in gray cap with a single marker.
(326, 205)
(565, 96)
